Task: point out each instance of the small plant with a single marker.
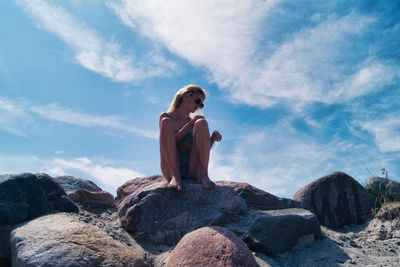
(387, 205)
(385, 172)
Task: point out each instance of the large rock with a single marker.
(98, 198)
(259, 199)
(162, 216)
(211, 246)
(337, 199)
(70, 183)
(27, 196)
(158, 214)
(383, 189)
(278, 231)
(62, 240)
(5, 249)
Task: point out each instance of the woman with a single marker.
(185, 143)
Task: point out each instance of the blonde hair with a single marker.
(178, 99)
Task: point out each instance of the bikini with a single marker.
(184, 158)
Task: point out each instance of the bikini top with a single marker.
(187, 138)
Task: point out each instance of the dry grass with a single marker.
(389, 211)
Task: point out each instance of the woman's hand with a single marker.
(216, 136)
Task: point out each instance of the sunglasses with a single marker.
(197, 101)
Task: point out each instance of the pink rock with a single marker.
(211, 246)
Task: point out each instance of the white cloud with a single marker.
(110, 177)
(326, 61)
(58, 113)
(11, 163)
(13, 116)
(386, 132)
(91, 50)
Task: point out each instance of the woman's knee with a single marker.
(200, 124)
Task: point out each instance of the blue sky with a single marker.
(298, 89)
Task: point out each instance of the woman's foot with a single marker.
(207, 183)
(175, 184)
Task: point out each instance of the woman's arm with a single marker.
(186, 128)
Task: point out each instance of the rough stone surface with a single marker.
(158, 214)
(5, 249)
(383, 190)
(389, 211)
(70, 183)
(211, 246)
(26, 196)
(98, 198)
(278, 231)
(62, 240)
(259, 199)
(337, 199)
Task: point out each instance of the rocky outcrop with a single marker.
(24, 197)
(70, 183)
(155, 213)
(62, 240)
(275, 232)
(97, 199)
(383, 190)
(27, 196)
(259, 199)
(211, 246)
(337, 199)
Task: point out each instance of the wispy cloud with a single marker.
(249, 50)
(108, 176)
(91, 50)
(58, 113)
(386, 132)
(13, 115)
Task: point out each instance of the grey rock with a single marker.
(98, 198)
(277, 231)
(27, 196)
(70, 183)
(337, 200)
(62, 240)
(155, 213)
(5, 249)
(213, 246)
(259, 199)
(158, 215)
(383, 190)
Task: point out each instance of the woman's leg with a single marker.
(169, 154)
(199, 157)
